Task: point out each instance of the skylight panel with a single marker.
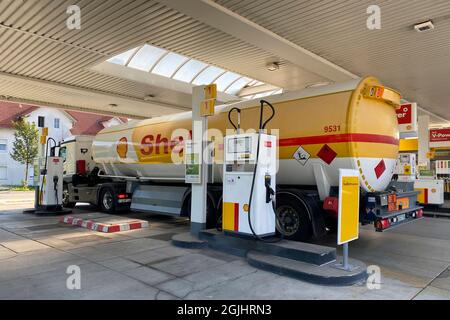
(169, 64)
(225, 80)
(146, 57)
(237, 86)
(189, 70)
(122, 58)
(208, 75)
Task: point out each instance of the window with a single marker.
(3, 173)
(3, 145)
(63, 153)
(41, 122)
(56, 123)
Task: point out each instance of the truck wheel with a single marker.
(65, 198)
(107, 201)
(292, 218)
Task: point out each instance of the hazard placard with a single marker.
(348, 221)
(301, 155)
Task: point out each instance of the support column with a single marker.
(424, 140)
(199, 191)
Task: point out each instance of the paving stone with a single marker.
(442, 281)
(92, 254)
(128, 247)
(57, 243)
(16, 268)
(142, 233)
(187, 264)
(166, 236)
(148, 257)
(87, 238)
(8, 236)
(177, 287)
(432, 293)
(165, 296)
(24, 245)
(219, 255)
(219, 274)
(119, 264)
(148, 275)
(172, 251)
(125, 291)
(97, 282)
(6, 253)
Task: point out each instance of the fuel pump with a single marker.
(249, 180)
(50, 189)
(405, 167)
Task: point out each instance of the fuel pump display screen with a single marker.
(239, 145)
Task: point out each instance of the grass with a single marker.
(16, 188)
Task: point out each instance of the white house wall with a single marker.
(15, 171)
(65, 123)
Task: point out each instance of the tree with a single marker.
(25, 145)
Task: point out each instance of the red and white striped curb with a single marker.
(103, 227)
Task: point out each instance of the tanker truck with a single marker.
(353, 125)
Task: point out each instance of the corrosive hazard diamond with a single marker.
(301, 155)
(327, 154)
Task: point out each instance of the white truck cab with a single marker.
(76, 152)
(82, 182)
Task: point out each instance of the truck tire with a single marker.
(107, 201)
(292, 218)
(65, 197)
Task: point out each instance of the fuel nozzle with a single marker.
(270, 193)
(55, 182)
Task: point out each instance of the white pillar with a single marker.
(199, 127)
(424, 140)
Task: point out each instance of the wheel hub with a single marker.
(288, 221)
(107, 200)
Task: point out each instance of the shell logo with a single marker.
(122, 147)
(433, 190)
